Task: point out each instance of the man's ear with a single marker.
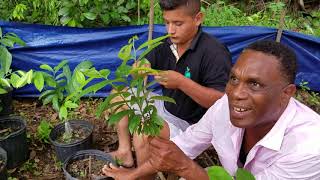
(199, 18)
(289, 91)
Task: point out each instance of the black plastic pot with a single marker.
(3, 169)
(63, 150)
(15, 143)
(83, 155)
(6, 103)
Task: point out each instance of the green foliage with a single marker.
(144, 117)
(218, 172)
(308, 97)
(62, 88)
(43, 131)
(9, 79)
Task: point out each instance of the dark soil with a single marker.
(78, 133)
(85, 169)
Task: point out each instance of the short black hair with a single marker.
(285, 55)
(193, 6)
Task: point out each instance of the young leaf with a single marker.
(13, 37)
(217, 172)
(80, 77)
(114, 118)
(70, 104)
(90, 15)
(60, 65)
(38, 81)
(134, 123)
(46, 67)
(163, 98)
(46, 93)
(2, 91)
(55, 103)
(144, 53)
(151, 42)
(4, 82)
(84, 65)
(6, 59)
(63, 113)
(243, 174)
(125, 53)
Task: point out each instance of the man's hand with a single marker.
(166, 156)
(169, 79)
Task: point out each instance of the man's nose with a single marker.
(240, 91)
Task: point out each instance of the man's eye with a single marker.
(233, 80)
(255, 85)
(178, 24)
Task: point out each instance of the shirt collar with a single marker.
(273, 139)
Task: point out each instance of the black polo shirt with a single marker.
(206, 62)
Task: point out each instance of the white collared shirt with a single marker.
(290, 150)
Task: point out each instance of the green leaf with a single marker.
(104, 104)
(29, 76)
(47, 99)
(14, 78)
(70, 104)
(38, 81)
(144, 53)
(2, 91)
(123, 70)
(90, 15)
(4, 82)
(55, 102)
(63, 113)
(60, 65)
(163, 98)
(65, 20)
(50, 81)
(93, 73)
(243, 174)
(80, 77)
(0, 32)
(94, 88)
(105, 73)
(134, 122)
(84, 65)
(46, 93)
(59, 76)
(64, 11)
(114, 118)
(46, 67)
(125, 53)
(151, 42)
(218, 173)
(6, 42)
(13, 37)
(6, 59)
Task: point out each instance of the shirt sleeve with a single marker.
(196, 138)
(293, 166)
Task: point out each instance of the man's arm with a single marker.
(166, 156)
(202, 95)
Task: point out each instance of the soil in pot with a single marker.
(84, 169)
(78, 133)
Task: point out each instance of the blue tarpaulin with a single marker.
(51, 44)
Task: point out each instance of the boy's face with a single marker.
(181, 25)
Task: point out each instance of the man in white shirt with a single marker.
(256, 125)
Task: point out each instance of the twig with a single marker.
(280, 30)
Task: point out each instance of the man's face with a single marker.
(255, 90)
(181, 25)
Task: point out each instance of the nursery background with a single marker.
(95, 30)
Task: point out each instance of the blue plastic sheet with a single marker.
(51, 44)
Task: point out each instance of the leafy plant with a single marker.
(43, 131)
(63, 88)
(218, 172)
(131, 91)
